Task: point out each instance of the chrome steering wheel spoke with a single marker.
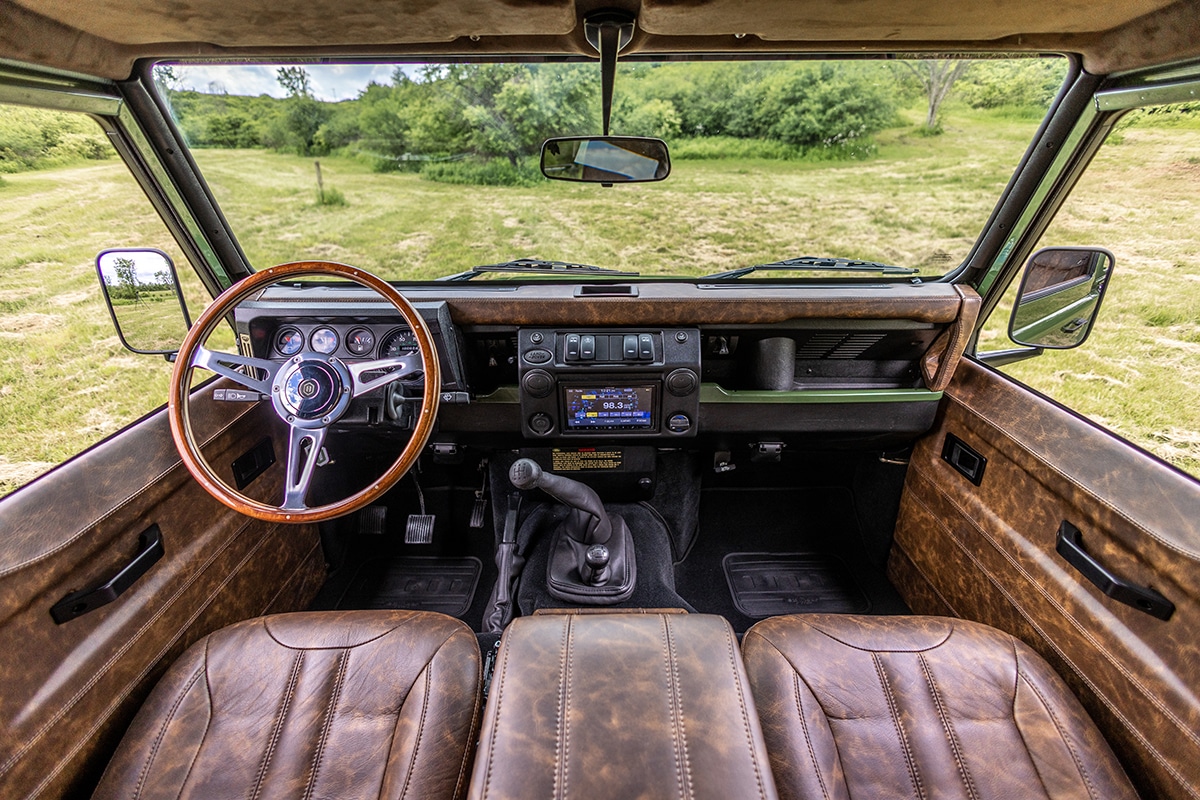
(304, 449)
(225, 364)
(399, 367)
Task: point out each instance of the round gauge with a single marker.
(360, 341)
(324, 340)
(288, 341)
(398, 343)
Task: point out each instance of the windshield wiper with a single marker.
(813, 263)
(535, 265)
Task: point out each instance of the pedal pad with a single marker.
(372, 521)
(480, 508)
(419, 529)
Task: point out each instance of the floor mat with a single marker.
(767, 584)
(424, 584)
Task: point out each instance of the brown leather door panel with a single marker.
(69, 690)
(987, 553)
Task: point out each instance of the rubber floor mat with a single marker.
(768, 584)
(421, 584)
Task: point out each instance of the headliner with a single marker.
(106, 37)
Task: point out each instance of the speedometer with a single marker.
(400, 342)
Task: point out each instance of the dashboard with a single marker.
(552, 365)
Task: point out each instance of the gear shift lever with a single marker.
(591, 554)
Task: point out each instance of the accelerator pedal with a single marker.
(419, 529)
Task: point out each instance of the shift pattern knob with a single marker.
(525, 473)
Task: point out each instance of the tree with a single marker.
(295, 81)
(126, 279)
(936, 78)
(303, 116)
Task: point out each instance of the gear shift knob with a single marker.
(525, 473)
(590, 521)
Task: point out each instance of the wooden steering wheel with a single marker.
(309, 391)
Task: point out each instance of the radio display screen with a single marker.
(609, 408)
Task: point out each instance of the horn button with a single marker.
(312, 390)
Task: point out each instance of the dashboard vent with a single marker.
(838, 345)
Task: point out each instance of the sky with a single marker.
(329, 81)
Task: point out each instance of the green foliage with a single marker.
(331, 197)
(1029, 83)
(491, 172)
(32, 138)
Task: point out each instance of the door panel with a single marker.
(71, 689)
(987, 553)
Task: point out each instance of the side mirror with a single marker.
(605, 159)
(1060, 296)
(143, 295)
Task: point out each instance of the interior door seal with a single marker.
(76, 604)
(1069, 545)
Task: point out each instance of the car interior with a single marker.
(571, 533)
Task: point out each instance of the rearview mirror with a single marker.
(605, 159)
(143, 296)
(1060, 296)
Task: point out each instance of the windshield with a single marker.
(421, 171)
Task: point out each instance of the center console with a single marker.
(607, 382)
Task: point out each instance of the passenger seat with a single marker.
(900, 707)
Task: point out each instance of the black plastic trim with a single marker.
(76, 604)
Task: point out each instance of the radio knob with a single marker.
(682, 382)
(538, 383)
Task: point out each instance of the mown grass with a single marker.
(65, 382)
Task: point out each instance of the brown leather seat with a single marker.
(359, 704)
(889, 707)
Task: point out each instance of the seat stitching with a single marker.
(144, 773)
(683, 767)
(566, 713)
(948, 728)
(1079, 765)
(737, 682)
(207, 723)
(412, 759)
(277, 726)
(327, 723)
(498, 687)
(558, 719)
(1012, 643)
(1152, 748)
(470, 738)
(807, 736)
(891, 703)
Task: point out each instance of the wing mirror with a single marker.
(142, 291)
(1060, 296)
(605, 159)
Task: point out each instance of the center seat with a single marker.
(589, 703)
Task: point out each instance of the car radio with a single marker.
(607, 382)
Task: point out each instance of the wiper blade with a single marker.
(535, 265)
(814, 263)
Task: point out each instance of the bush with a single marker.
(33, 138)
(493, 172)
(331, 197)
(711, 148)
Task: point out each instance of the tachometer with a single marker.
(401, 342)
(289, 341)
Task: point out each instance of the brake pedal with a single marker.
(419, 529)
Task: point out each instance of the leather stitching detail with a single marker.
(1147, 745)
(1079, 765)
(327, 724)
(563, 739)
(427, 675)
(948, 728)
(498, 682)
(683, 767)
(808, 736)
(277, 727)
(470, 738)
(1020, 732)
(737, 682)
(891, 703)
(144, 773)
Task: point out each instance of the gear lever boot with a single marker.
(591, 551)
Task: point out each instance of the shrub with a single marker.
(331, 197)
(492, 172)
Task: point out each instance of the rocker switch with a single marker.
(645, 347)
(587, 347)
(573, 347)
(631, 347)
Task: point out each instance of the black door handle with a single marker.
(1069, 545)
(76, 604)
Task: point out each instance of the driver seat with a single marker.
(355, 704)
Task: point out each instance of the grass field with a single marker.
(65, 382)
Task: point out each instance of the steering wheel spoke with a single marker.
(304, 449)
(226, 364)
(397, 368)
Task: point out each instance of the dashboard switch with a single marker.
(645, 347)
(631, 347)
(573, 347)
(587, 347)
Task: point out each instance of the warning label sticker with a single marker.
(585, 458)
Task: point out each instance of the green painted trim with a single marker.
(503, 394)
(712, 393)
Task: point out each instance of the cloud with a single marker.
(329, 81)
